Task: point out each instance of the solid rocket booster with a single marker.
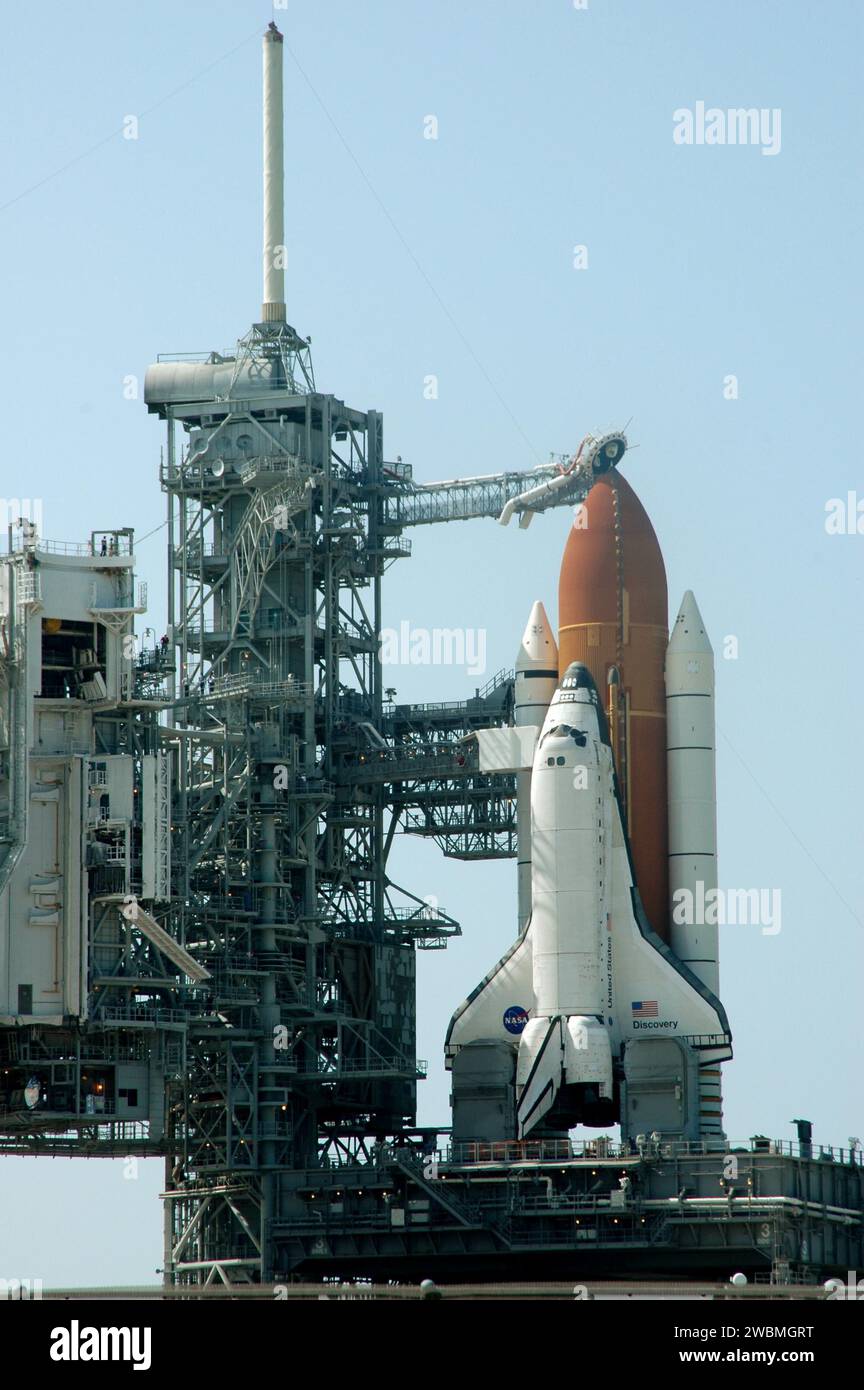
(536, 679)
(692, 789)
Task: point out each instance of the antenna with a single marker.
(273, 307)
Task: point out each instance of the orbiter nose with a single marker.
(578, 677)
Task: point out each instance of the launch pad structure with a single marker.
(203, 956)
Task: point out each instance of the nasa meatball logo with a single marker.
(515, 1019)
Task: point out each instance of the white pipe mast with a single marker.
(273, 307)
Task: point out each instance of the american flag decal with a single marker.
(645, 1008)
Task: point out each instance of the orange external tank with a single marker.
(612, 613)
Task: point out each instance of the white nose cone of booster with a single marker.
(536, 681)
(692, 791)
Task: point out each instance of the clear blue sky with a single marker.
(411, 257)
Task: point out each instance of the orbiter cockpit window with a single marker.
(565, 731)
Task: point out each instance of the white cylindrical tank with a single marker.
(692, 791)
(692, 799)
(536, 679)
(273, 308)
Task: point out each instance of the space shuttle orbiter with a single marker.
(588, 976)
